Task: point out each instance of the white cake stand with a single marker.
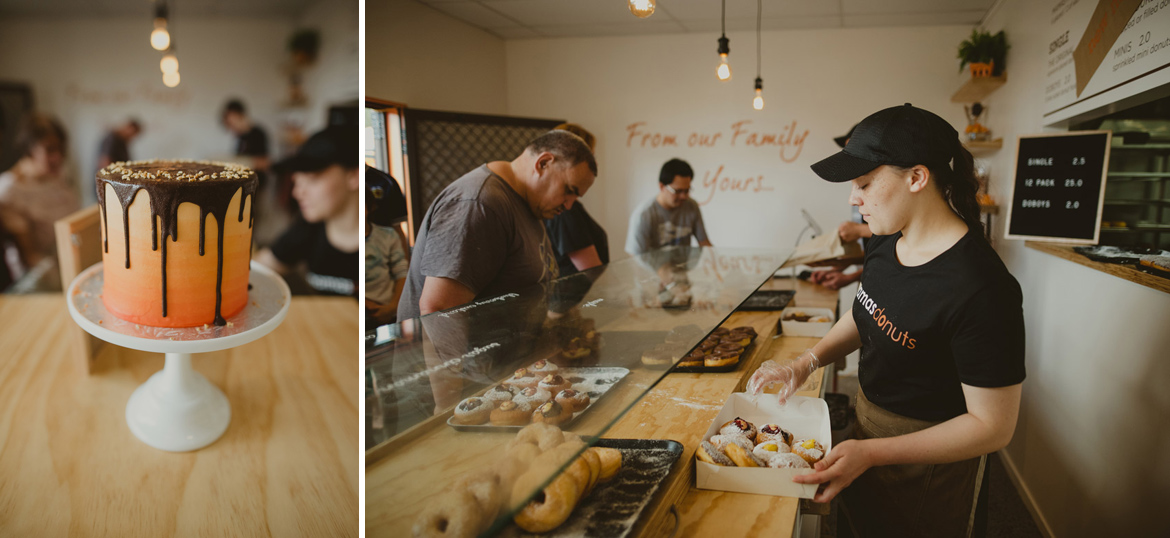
(178, 409)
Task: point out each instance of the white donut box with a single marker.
(804, 417)
(807, 328)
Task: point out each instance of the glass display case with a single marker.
(594, 327)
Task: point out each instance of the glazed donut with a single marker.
(572, 400)
(455, 514)
(736, 338)
(706, 347)
(773, 432)
(809, 449)
(554, 384)
(693, 359)
(743, 457)
(511, 413)
(739, 426)
(787, 460)
(721, 441)
(708, 453)
(500, 393)
(550, 507)
(720, 331)
(522, 379)
(534, 396)
(472, 411)
(594, 463)
(611, 461)
(728, 348)
(542, 368)
(751, 331)
(552, 413)
(581, 475)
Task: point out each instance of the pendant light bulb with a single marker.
(171, 79)
(724, 69)
(642, 8)
(169, 63)
(160, 39)
(758, 102)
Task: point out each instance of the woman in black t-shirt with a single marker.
(941, 322)
(579, 242)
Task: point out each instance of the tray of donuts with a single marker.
(542, 392)
(719, 352)
(755, 445)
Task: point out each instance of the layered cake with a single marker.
(177, 240)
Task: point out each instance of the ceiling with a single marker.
(519, 19)
(195, 8)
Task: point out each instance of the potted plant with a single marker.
(986, 53)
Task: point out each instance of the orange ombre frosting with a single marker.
(164, 261)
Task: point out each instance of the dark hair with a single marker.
(959, 186)
(674, 167)
(35, 129)
(581, 132)
(564, 145)
(234, 105)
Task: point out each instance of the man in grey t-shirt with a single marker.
(484, 236)
(672, 217)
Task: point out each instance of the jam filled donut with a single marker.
(773, 432)
(708, 453)
(456, 514)
(500, 394)
(743, 457)
(572, 400)
(787, 460)
(511, 413)
(534, 396)
(472, 411)
(554, 383)
(551, 413)
(739, 426)
(542, 368)
(810, 449)
(522, 379)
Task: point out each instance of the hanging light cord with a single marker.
(723, 20)
(759, 13)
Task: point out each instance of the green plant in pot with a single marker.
(984, 52)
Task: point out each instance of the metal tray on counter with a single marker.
(595, 382)
(614, 507)
(767, 300)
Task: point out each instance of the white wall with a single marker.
(94, 73)
(426, 59)
(1092, 442)
(823, 81)
(333, 79)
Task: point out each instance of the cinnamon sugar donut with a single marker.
(472, 411)
(708, 453)
(455, 514)
(743, 457)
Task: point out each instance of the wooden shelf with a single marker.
(978, 88)
(1117, 270)
(982, 146)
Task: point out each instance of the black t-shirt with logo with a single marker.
(956, 319)
(330, 271)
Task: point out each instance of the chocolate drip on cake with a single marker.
(210, 186)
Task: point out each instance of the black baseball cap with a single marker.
(384, 199)
(330, 146)
(900, 136)
(843, 139)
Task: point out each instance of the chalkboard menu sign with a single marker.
(1059, 187)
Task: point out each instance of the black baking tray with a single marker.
(614, 507)
(715, 369)
(767, 300)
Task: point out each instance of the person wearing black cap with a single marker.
(941, 322)
(326, 237)
(386, 263)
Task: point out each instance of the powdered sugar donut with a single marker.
(810, 449)
(787, 460)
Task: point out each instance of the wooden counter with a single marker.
(287, 466)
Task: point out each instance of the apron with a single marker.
(909, 500)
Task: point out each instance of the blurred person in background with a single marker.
(386, 258)
(251, 139)
(115, 147)
(34, 193)
(578, 241)
(326, 237)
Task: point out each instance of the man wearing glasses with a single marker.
(672, 217)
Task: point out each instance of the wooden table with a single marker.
(287, 466)
(682, 406)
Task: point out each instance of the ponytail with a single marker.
(959, 187)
